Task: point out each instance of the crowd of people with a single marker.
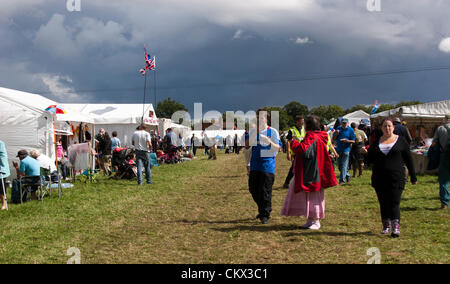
(313, 152)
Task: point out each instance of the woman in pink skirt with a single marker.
(313, 172)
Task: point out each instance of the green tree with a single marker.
(327, 113)
(166, 108)
(364, 108)
(293, 109)
(283, 117)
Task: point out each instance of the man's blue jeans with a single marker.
(143, 160)
(444, 181)
(343, 165)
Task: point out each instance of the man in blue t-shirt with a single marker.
(345, 137)
(265, 146)
(30, 168)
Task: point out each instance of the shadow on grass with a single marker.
(417, 208)
(422, 197)
(299, 232)
(302, 232)
(194, 222)
(258, 228)
(225, 176)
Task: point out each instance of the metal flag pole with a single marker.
(4, 191)
(143, 103)
(154, 85)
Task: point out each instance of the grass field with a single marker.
(201, 212)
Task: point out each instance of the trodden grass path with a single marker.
(201, 212)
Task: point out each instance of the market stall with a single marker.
(422, 120)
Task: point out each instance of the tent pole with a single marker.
(4, 191)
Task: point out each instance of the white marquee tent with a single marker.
(428, 111)
(123, 118)
(355, 117)
(422, 119)
(24, 123)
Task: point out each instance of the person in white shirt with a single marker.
(142, 142)
(45, 161)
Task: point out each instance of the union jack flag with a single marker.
(150, 63)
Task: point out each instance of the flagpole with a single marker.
(154, 85)
(143, 103)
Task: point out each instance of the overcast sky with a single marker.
(227, 54)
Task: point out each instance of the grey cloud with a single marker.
(101, 48)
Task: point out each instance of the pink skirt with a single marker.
(308, 204)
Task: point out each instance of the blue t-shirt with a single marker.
(348, 134)
(4, 166)
(30, 167)
(115, 142)
(263, 157)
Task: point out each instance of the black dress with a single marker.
(388, 175)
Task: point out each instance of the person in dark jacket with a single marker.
(401, 130)
(441, 140)
(106, 154)
(388, 156)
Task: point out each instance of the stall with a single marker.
(25, 124)
(123, 118)
(422, 120)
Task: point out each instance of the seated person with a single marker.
(29, 167)
(46, 163)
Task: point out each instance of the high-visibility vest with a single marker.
(297, 135)
(329, 142)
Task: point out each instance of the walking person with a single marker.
(356, 156)
(297, 132)
(4, 173)
(345, 136)
(388, 156)
(313, 172)
(106, 154)
(193, 145)
(141, 140)
(265, 142)
(442, 137)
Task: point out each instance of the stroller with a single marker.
(122, 158)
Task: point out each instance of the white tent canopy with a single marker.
(24, 123)
(433, 110)
(355, 117)
(165, 123)
(123, 118)
(118, 113)
(34, 101)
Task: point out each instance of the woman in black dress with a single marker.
(388, 156)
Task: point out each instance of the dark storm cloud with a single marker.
(235, 55)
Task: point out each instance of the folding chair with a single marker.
(30, 182)
(49, 181)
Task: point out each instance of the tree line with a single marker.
(288, 112)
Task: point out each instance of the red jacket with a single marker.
(313, 169)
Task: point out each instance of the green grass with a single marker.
(201, 212)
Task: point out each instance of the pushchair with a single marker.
(122, 160)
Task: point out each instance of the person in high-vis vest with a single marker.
(298, 133)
